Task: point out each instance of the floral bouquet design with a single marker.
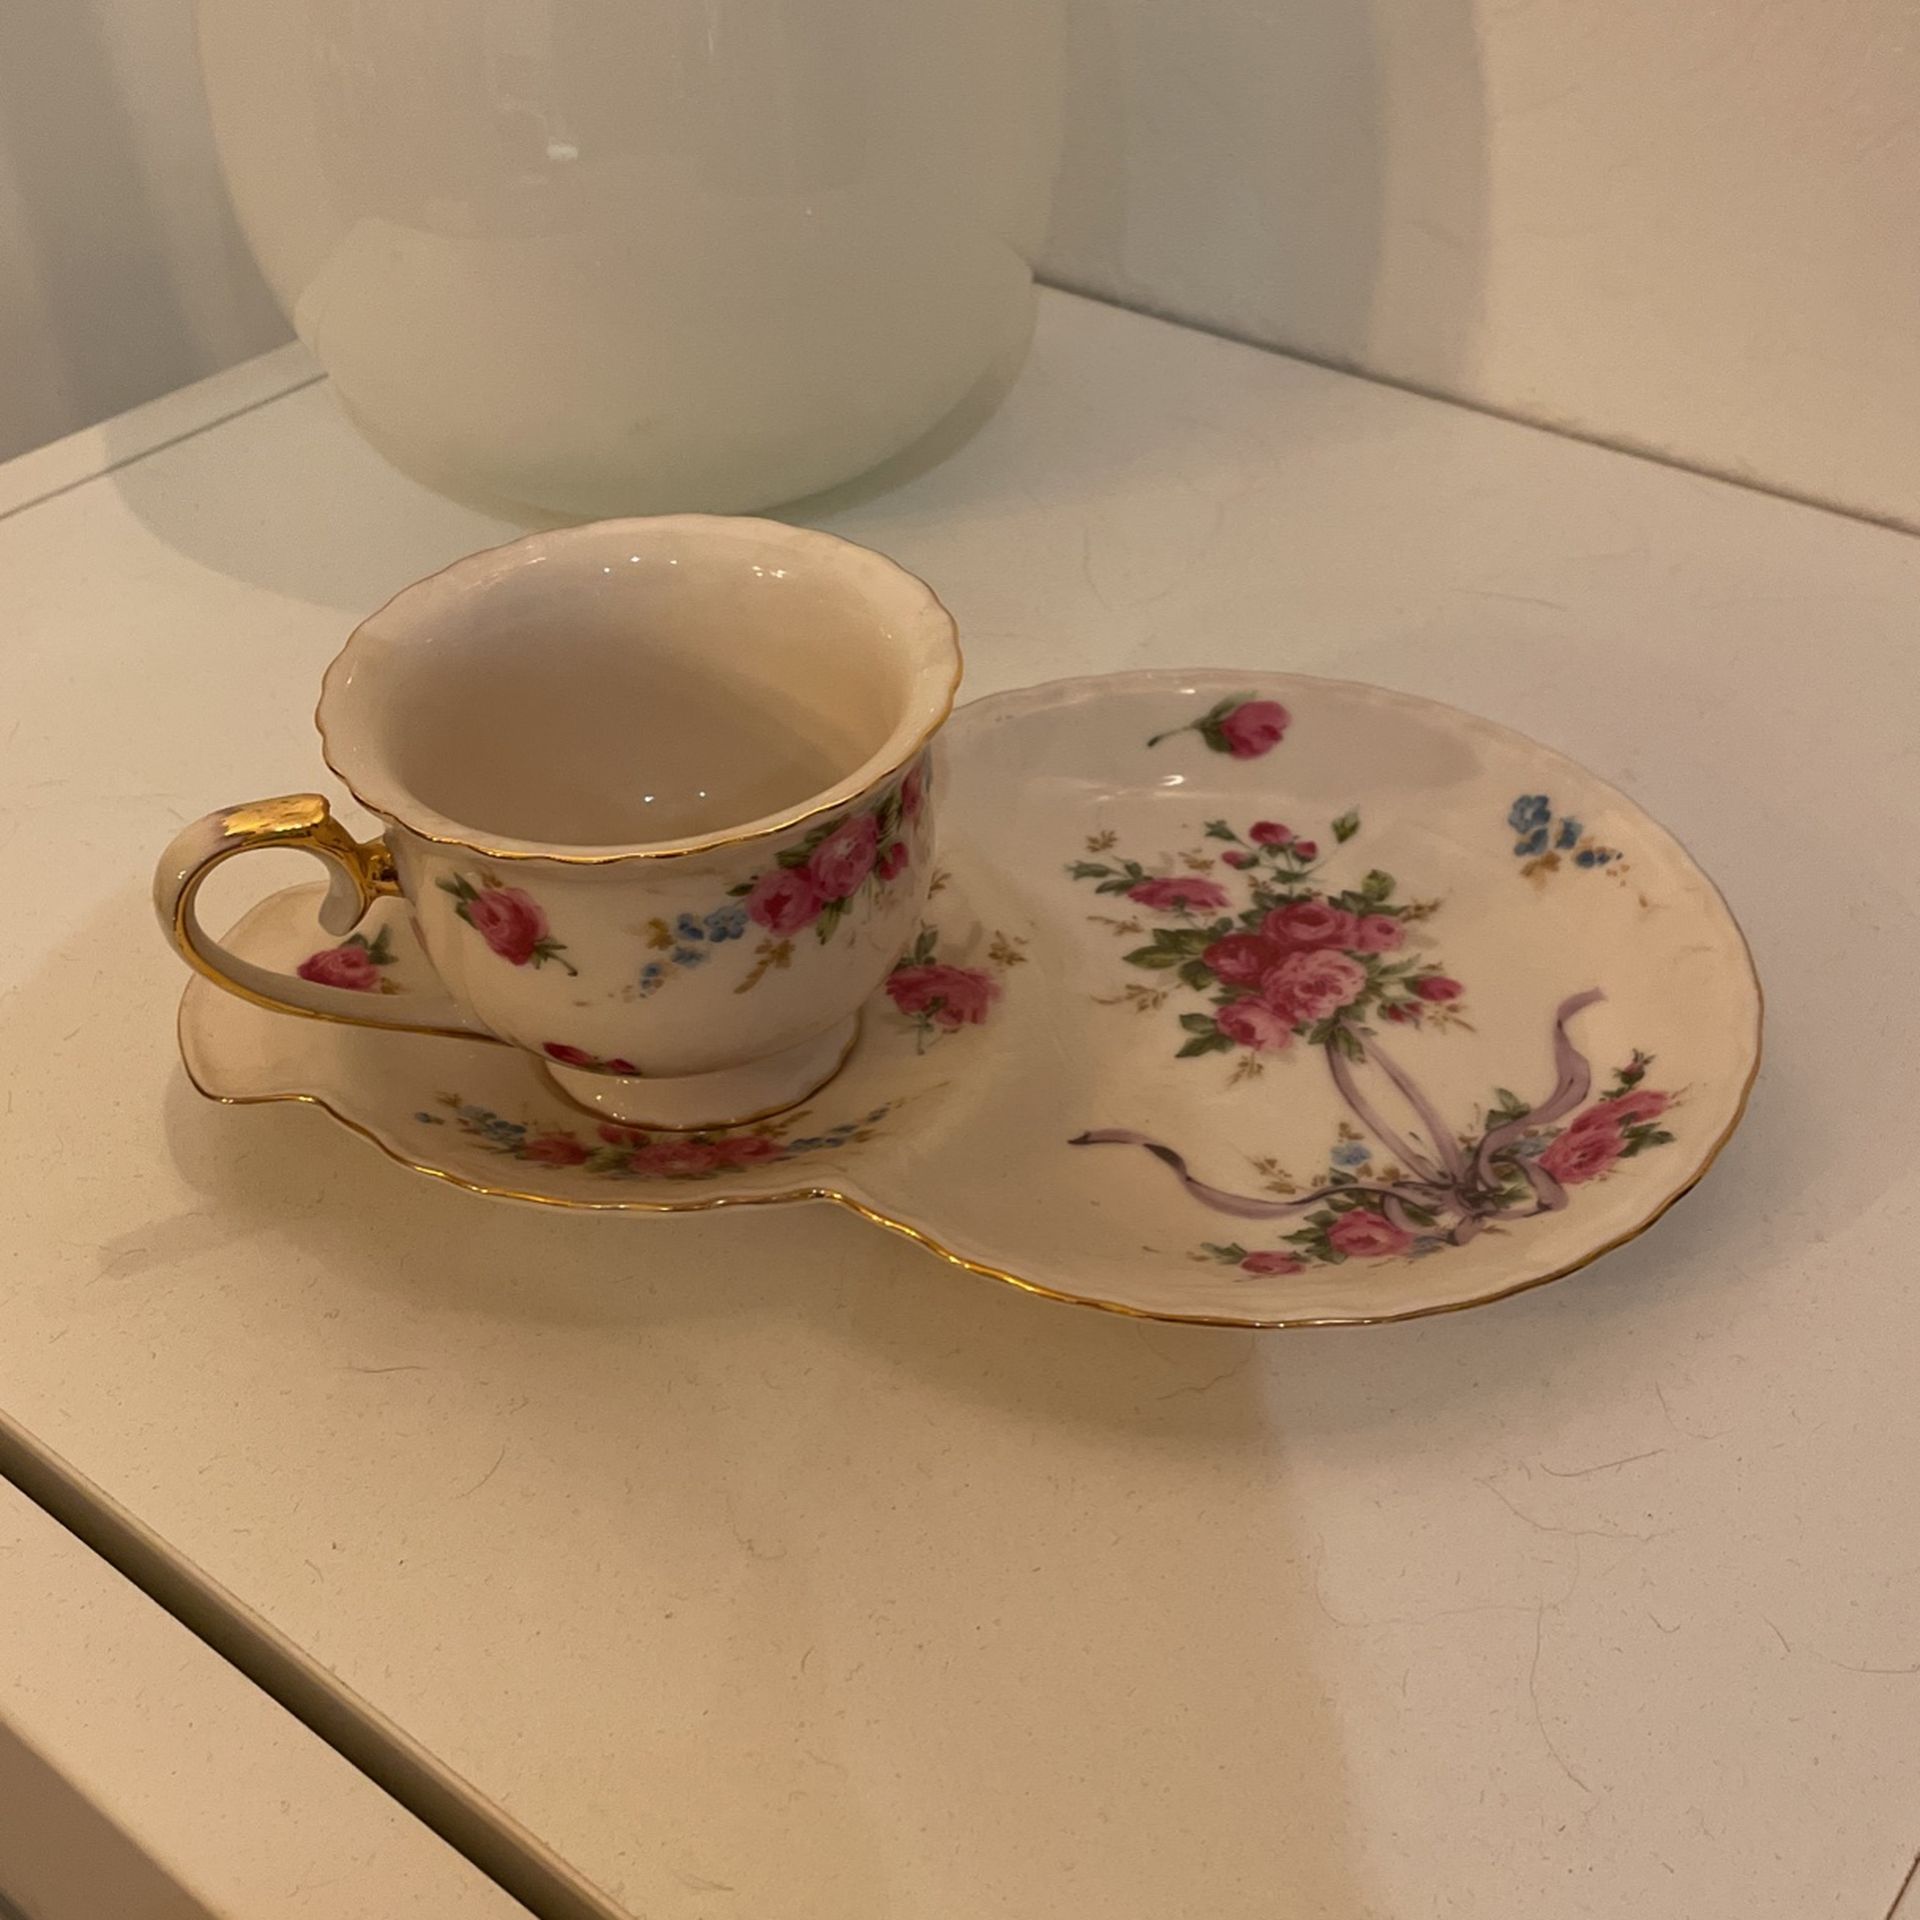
(1297, 962)
(816, 881)
(1286, 962)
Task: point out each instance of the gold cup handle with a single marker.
(359, 874)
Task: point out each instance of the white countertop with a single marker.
(142, 1778)
(761, 1564)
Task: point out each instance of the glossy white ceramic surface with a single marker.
(591, 257)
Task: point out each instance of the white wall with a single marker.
(1690, 226)
(121, 272)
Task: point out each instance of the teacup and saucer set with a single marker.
(1248, 999)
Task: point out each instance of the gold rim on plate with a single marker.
(986, 1270)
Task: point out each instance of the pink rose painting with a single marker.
(939, 997)
(1275, 931)
(1254, 1024)
(352, 966)
(346, 967)
(1362, 1235)
(1309, 986)
(1367, 1207)
(1583, 1153)
(580, 1057)
(1179, 893)
(1239, 725)
(784, 900)
(509, 919)
(1306, 958)
(818, 880)
(616, 1152)
(671, 1159)
(949, 996)
(1253, 728)
(1624, 1110)
(841, 862)
(814, 882)
(1377, 933)
(747, 1149)
(1242, 959)
(1309, 923)
(1270, 1263)
(553, 1150)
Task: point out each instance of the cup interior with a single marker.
(638, 684)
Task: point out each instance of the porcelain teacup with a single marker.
(657, 794)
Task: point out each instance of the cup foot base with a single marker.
(733, 1097)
